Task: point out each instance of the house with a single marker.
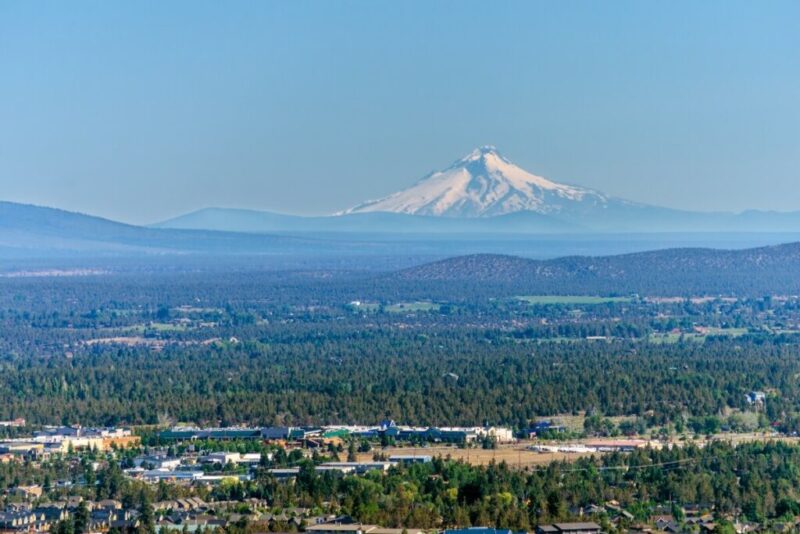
(592, 509)
(544, 427)
(108, 504)
(478, 530)
(188, 504)
(756, 397)
(21, 520)
(382, 530)
(104, 518)
(665, 523)
(25, 450)
(352, 528)
(52, 512)
(570, 528)
(358, 528)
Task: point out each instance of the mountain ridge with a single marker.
(27, 229)
(754, 271)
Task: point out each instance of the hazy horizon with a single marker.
(141, 114)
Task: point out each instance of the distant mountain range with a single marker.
(484, 192)
(37, 232)
(27, 231)
(773, 270)
(32, 232)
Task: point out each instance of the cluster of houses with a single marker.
(192, 513)
(387, 429)
(103, 515)
(62, 439)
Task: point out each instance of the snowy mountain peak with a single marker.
(481, 184)
(481, 152)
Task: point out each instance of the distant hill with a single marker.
(27, 230)
(773, 270)
(484, 192)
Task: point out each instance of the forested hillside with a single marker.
(753, 272)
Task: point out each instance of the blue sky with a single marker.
(143, 110)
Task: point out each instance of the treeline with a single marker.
(436, 379)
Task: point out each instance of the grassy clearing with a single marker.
(516, 456)
(547, 300)
(399, 307)
(697, 337)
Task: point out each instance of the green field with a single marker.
(571, 299)
(399, 307)
(696, 336)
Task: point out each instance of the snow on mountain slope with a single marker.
(484, 184)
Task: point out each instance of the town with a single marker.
(183, 478)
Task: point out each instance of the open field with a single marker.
(515, 455)
(518, 455)
(570, 299)
(698, 336)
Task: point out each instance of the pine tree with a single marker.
(81, 519)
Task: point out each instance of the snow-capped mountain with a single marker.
(485, 184)
(484, 193)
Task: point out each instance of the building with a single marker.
(570, 528)
(157, 461)
(478, 530)
(360, 467)
(16, 423)
(410, 459)
(191, 433)
(756, 398)
(225, 458)
(284, 473)
(617, 445)
(65, 438)
(157, 475)
(544, 427)
(358, 528)
(23, 521)
(233, 433)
